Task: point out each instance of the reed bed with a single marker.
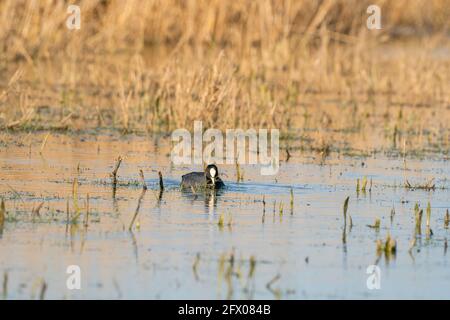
(153, 66)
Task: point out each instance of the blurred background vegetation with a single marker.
(310, 68)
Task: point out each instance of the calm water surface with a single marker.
(177, 249)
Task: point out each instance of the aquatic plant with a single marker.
(44, 142)
(161, 183)
(264, 209)
(35, 210)
(428, 185)
(412, 245)
(345, 208)
(292, 201)
(392, 214)
(76, 208)
(221, 221)
(288, 154)
(276, 292)
(418, 213)
(2, 214)
(230, 267)
(86, 217)
(141, 175)
(43, 290)
(446, 219)
(364, 184)
(388, 247)
(114, 173)
(195, 265)
(230, 221)
(429, 232)
(152, 98)
(5, 284)
(136, 212)
(239, 174)
(252, 267)
(376, 224)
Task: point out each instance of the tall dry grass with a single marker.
(306, 66)
(37, 28)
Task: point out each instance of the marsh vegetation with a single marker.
(86, 177)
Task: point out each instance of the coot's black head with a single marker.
(211, 173)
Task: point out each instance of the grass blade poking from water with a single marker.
(392, 215)
(43, 290)
(44, 142)
(161, 187)
(16, 193)
(345, 208)
(428, 214)
(264, 210)
(418, 213)
(67, 215)
(2, 216)
(221, 221)
(446, 219)
(86, 218)
(35, 212)
(274, 210)
(141, 175)
(411, 247)
(161, 183)
(76, 208)
(292, 201)
(252, 266)
(5, 285)
(364, 185)
(376, 224)
(428, 185)
(429, 232)
(136, 213)
(388, 247)
(114, 174)
(195, 266)
(239, 174)
(275, 291)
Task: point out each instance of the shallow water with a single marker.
(177, 249)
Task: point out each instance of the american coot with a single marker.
(208, 179)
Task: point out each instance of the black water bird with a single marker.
(208, 179)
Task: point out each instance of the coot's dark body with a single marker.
(198, 179)
(207, 179)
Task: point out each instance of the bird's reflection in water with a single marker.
(208, 196)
